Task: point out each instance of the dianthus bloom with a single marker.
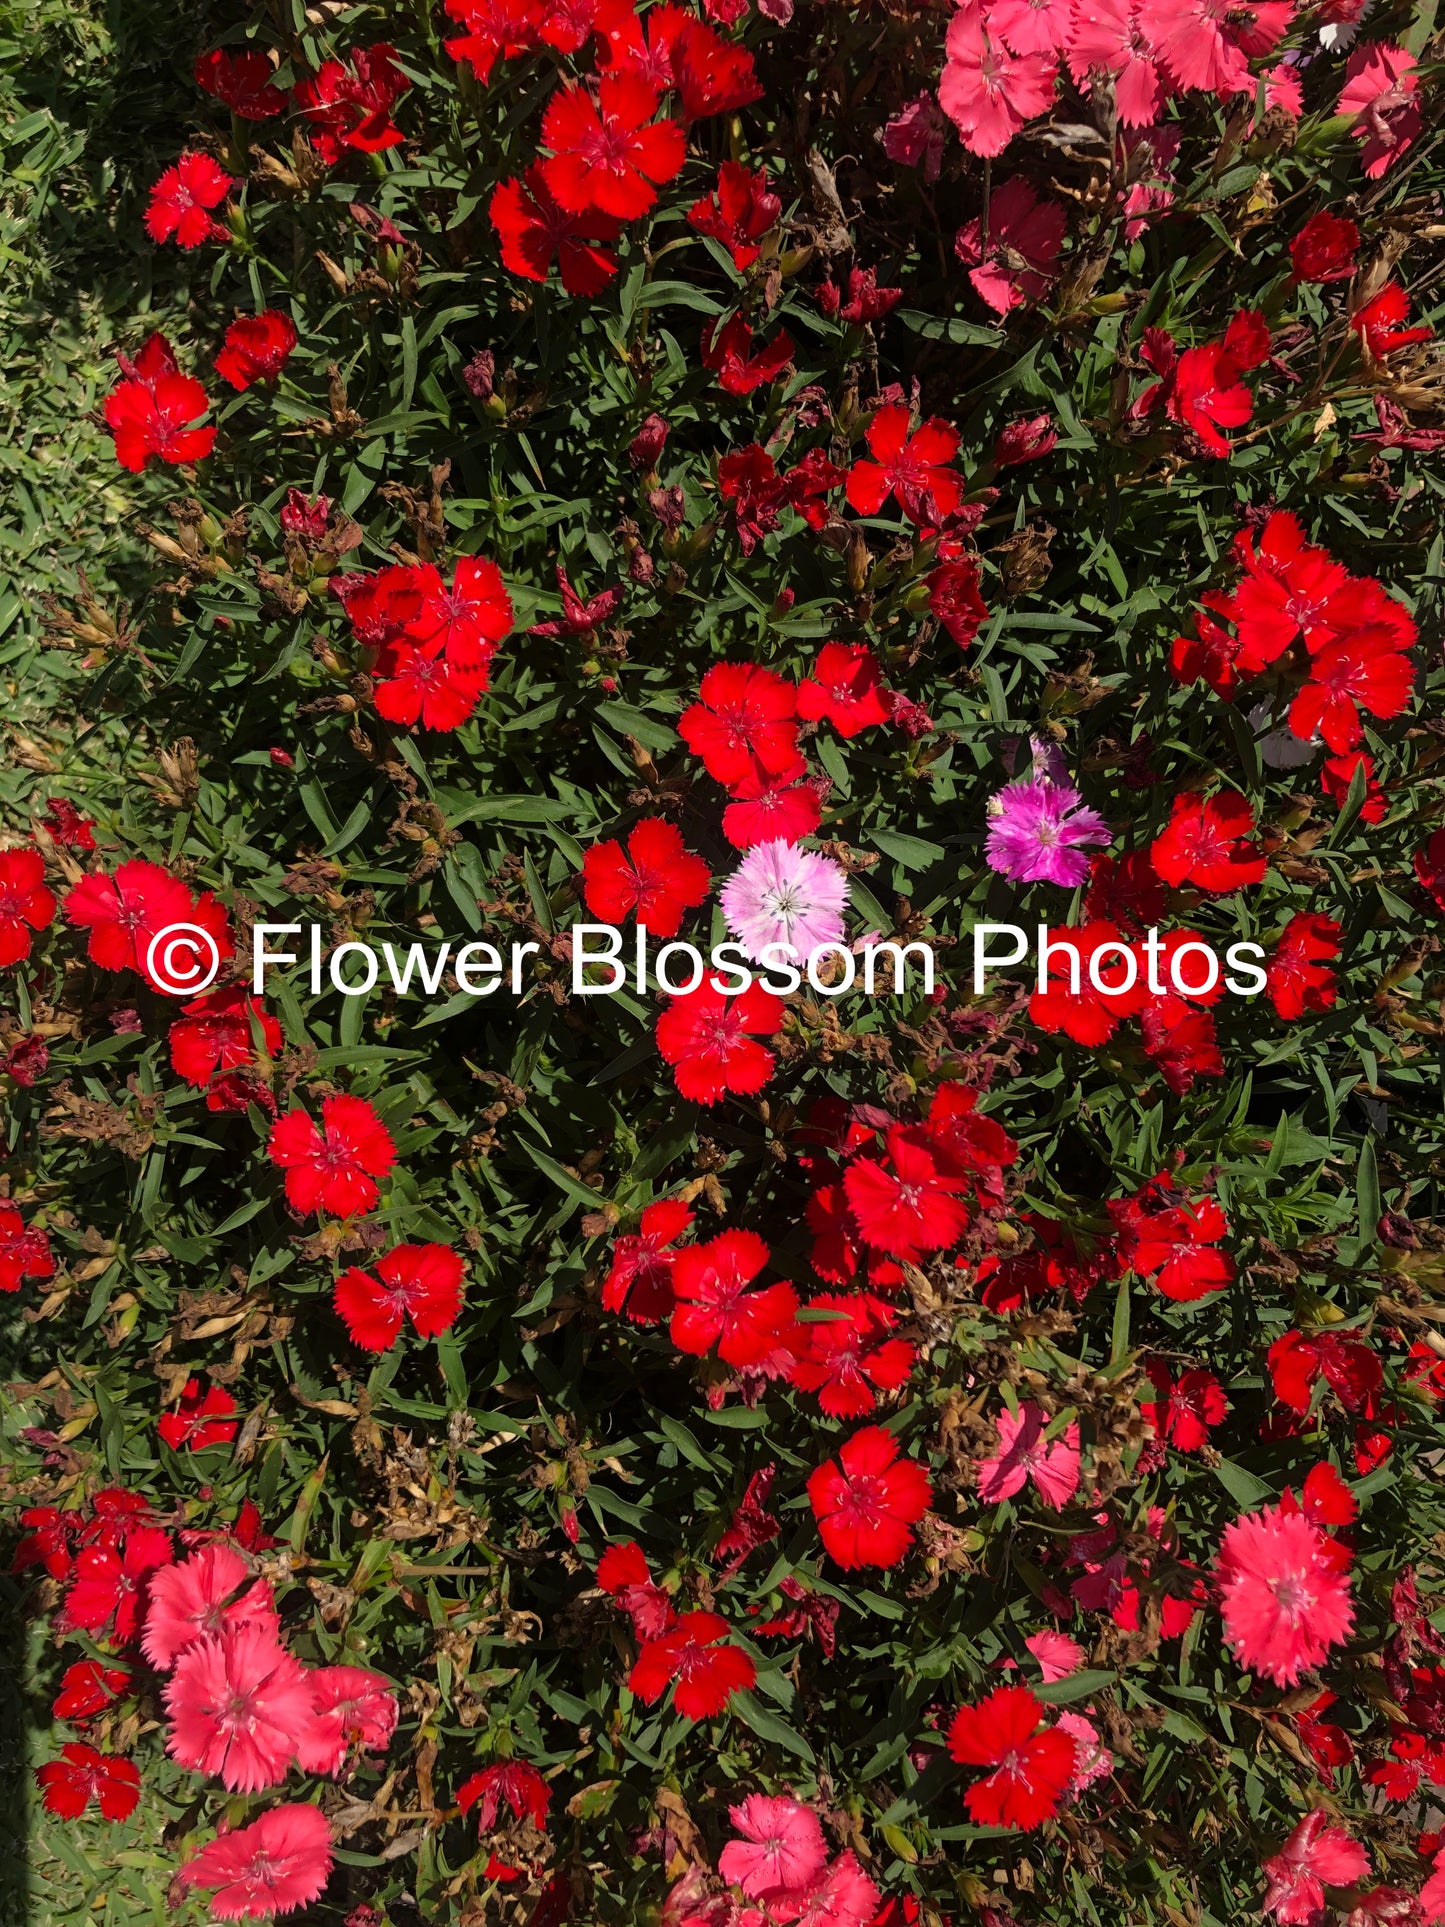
(1315, 1856)
(1381, 93)
(198, 1597)
(237, 1704)
(1038, 832)
(781, 1850)
(785, 897)
(182, 198)
(126, 914)
(240, 80)
(202, 1418)
(1298, 977)
(419, 1282)
(26, 904)
(350, 1707)
(1011, 256)
(868, 1500)
(656, 878)
(155, 410)
(714, 1306)
(711, 1040)
(607, 151)
(1283, 1593)
(986, 91)
(534, 229)
(1023, 1455)
(640, 1281)
(333, 1169)
(279, 1863)
(512, 1783)
(24, 1251)
(844, 689)
(743, 712)
(1324, 249)
(1031, 1768)
(80, 1775)
(698, 1661)
(257, 348)
(350, 106)
(1206, 844)
(913, 467)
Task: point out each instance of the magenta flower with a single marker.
(783, 894)
(1038, 829)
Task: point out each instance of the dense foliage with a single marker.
(969, 1451)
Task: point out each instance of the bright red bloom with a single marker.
(510, 1782)
(216, 1032)
(88, 1688)
(640, 1281)
(258, 346)
(698, 1661)
(1362, 671)
(201, 1419)
(127, 912)
(656, 878)
(605, 155)
(182, 198)
(416, 687)
(849, 1353)
(1324, 250)
(1346, 1363)
(729, 351)
(1283, 1593)
(279, 1863)
(154, 409)
(868, 1500)
(533, 229)
(419, 1282)
(1338, 775)
(240, 81)
(47, 1541)
(623, 1572)
(737, 212)
(465, 623)
(350, 1707)
(350, 107)
(105, 1590)
(1031, 1767)
(1172, 1239)
(333, 1169)
(908, 1204)
(714, 1306)
(24, 1252)
(1202, 389)
(1287, 590)
(1206, 844)
(494, 29)
(843, 689)
(80, 1775)
(710, 1040)
(25, 902)
(1378, 323)
(673, 48)
(743, 712)
(1298, 976)
(237, 1703)
(911, 467)
(1183, 1409)
(1073, 1003)
(1181, 1041)
(771, 809)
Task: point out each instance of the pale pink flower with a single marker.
(1031, 26)
(987, 92)
(237, 1703)
(190, 1599)
(1023, 1455)
(350, 1706)
(1283, 1592)
(1381, 91)
(781, 1851)
(1057, 1654)
(1092, 1759)
(1011, 255)
(1316, 1855)
(783, 894)
(1108, 37)
(279, 1863)
(915, 136)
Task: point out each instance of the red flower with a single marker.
(154, 409)
(1346, 1363)
(1183, 1409)
(1171, 1238)
(1181, 1041)
(1337, 776)
(849, 1353)
(673, 48)
(1298, 977)
(908, 466)
(1325, 248)
(464, 623)
(844, 687)
(1328, 1744)
(623, 1572)
(868, 1500)
(533, 229)
(728, 350)
(714, 1306)
(88, 1688)
(240, 81)
(738, 212)
(24, 1253)
(333, 1169)
(1362, 671)
(1202, 389)
(127, 912)
(709, 1038)
(1032, 1768)
(1430, 868)
(25, 902)
(1088, 1015)
(954, 599)
(908, 1204)
(257, 348)
(1205, 844)
(605, 154)
(416, 687)
(656, 877)
(495, 29)
(181, 199)
(351, 107)
(1287, 589)
(752, 1525)
(696, 1659)
(513, 1782)
(80, 1775)
(106, 1588)
(771, 809)
(47, 1540)
(1377, 323)
(579, 617)
(216, 1033)
(742, 712)
(420, 1282)
(67, 826)
(640, 1281)
(201, 1419)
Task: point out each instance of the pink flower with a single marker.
(987, 92)
(1109, 38)
(350, 1706)
(1315, 1856)
(1031, 26)
(782, 894)
(914, 137)
(1023, 1455)
(279, 1863)
(237, 1703)
(781, 1851)
(845, 1897)
(1011, 255)
(190, 1599)
(1283, 1593)
(1380, 89)
(1057, 1654)
(1092, 1759)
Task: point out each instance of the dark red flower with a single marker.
(698, 1661)
(729, 351)
(24, 1251)
(257, 348)
(240, 81)
(607, 151)
(26, 904)
(868, 1500)
(333, 1169)
(743, 712)
(1298, 976)
(1325, 248)
(534, 229)
(201, 1419)
(1031, 1767)
(640, 1281)
(1181, 1041)
(1430, 868)
(656, 878)
(181, 200)
(1337, 778)
(579, 617)
(419, 1282)
(80, 1775)
(1206, 844)
(1183, 1410)
(911, 467)
(1347, 1364)
(813, 1616)
(67, 826)
(88, 1688)
(737, 212)
(866, 300)
(350, 107)
(512, 1783)
(1025, 441)
(752, 1525)
(954, 599)
(843, 689)
(154, 409)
